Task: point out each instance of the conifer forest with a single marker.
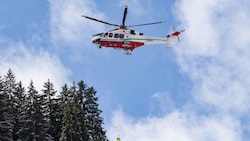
(70, 114)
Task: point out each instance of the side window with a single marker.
(121, 36)
(106, 34)
(132, 32)
(110, 35)
(116, 35)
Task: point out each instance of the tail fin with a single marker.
(175, 34)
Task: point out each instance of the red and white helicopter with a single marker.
(128, 39)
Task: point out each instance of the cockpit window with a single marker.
(106, 34)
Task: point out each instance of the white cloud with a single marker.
(137, 7)
(30, 64)
(70, 33)
(215, 54)
(161, 103)
(179, 126)
(67, 25)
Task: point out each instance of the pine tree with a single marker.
(94, 120)
(33, 116)
(50, 104)
(64, 93)
(82, 109)
(59, 102)
(34, 119)
(10, 84)
(57, 118)
(27, 116)
(19, 103)
(10, 90)
(71, 126)
(5, 123)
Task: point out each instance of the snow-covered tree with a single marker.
(71, 115)
(71, 126)
(94, 119)
(82, 112)
(9, 88)
(5, 123)
(48, 93)
(10, 84)
(34, 119)
(19, 107)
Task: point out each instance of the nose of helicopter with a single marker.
(96, 40)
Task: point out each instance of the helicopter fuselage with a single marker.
(126, 39)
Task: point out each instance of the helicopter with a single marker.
(128, 39)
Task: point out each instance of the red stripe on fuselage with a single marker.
(129, 45)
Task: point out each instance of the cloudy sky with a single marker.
(198, 90)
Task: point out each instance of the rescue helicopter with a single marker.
(128, 39)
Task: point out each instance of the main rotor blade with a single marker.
(147, 24)
(100, 21)
(124, 15)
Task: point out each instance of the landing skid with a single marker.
(128, 52)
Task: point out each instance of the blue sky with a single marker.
(196, 90)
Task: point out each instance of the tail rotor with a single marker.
(171, 37)
(177, 33)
